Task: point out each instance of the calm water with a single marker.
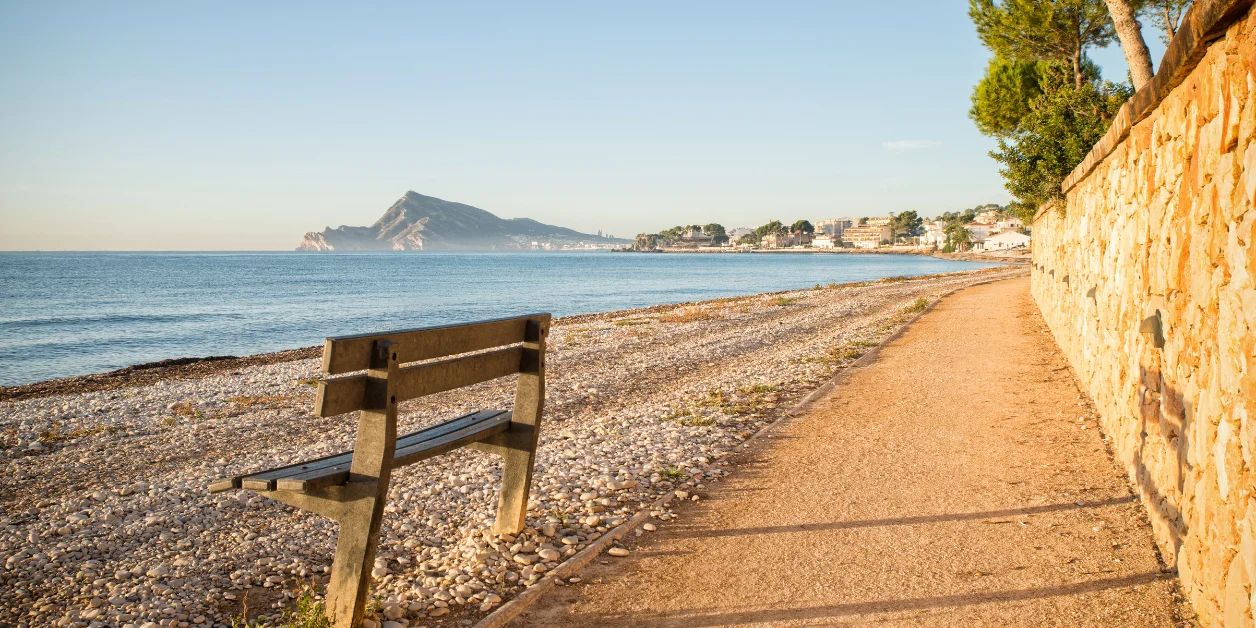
(64, 314)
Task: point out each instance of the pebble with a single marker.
(617, 551)
(649, 527)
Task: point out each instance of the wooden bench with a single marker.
(352, 487)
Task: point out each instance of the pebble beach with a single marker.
(105, 519)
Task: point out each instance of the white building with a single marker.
(978, 231)
(935, 233)
(1006, 240)
(824, 241)
(736, 234)
(988, 217)
(1011, 223)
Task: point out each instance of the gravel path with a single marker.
(105, 521)
(957, 480)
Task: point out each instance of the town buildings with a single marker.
(834, 226)
(867, 236)
(777, 241)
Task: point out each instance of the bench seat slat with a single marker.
(452, 441)
(266, 480)
(466, 432)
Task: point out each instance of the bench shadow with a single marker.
(722, 617)
(900, 521)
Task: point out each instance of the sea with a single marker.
(66, 314)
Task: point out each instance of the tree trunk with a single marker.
(1131, 34)
(1077, 70)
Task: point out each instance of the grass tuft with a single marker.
(630, 322)
(918, 305)
(308, 613)
(688, 315)
(251, 401)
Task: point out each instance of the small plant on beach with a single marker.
(846, 353)
(252, 401)
(631, 322)
(676, 415)
(308, 613)
(561, 515)
(688, 315)
(53, 434)
(759, 389)
(918, 305)
(672, 474)
(782, 301)
(185, 408)
(697, 421)
(894, 279)
(309, 381)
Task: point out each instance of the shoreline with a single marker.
(1010, 256)
(640, 403)
(196, 367)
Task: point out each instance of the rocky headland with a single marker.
(424, 223)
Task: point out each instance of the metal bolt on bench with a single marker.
(351, 487)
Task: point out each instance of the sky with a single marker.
(240, 126)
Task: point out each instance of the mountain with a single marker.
(423, 223)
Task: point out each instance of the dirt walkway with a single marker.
(949, 482)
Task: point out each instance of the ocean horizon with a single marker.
(75, 313)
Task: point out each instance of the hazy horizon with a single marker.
(234, 127)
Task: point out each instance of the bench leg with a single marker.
(355, 557)
(519, 450)
(360, 519)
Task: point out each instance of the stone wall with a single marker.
(1156, 233)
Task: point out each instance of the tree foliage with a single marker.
(804, 226)
(957, 237)
(1043, 30)
(906, 225)
(772, 227)
(716, 231)
(1004, 94)
(1056, 134)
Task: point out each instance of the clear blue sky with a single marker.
(241, 126)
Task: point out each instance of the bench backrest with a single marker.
(516, 343)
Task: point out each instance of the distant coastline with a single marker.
(1011, 256)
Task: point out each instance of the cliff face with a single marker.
(417, 222)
